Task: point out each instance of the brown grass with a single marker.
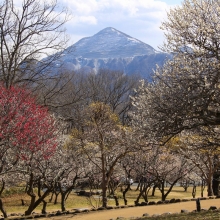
(13, 202)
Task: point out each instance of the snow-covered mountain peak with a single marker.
(111, 49)
(109, 30)
(113, 32)
(110, 43)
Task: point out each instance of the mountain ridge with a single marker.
(115, 50)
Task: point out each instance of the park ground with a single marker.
(139, 211)
(12, 201)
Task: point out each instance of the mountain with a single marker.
(110, 43)
(112, 49)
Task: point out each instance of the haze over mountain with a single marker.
(112, 49)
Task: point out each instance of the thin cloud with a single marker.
(138, 18)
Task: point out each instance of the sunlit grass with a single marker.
(176, 193)
(12, 201)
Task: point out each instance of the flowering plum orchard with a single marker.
(27, 130)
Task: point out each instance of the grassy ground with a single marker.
(12, 199)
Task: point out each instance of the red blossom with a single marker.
(24, 125)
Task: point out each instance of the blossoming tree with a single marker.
(27, 130)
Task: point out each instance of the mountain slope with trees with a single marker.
(111, 49)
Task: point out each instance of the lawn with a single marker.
(12, 199)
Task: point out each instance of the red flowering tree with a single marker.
(24, 125)
(27, 130)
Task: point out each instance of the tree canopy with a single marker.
(184, 93)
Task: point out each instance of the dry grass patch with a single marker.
(13, 203)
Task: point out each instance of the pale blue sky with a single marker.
(140, 19)
(172, 2)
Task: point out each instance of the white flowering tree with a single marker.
(166, 167)
(201, 148)
(184, 94)
(193, 29)
(103, 140)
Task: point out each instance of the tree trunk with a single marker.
(22, 202)
(1, 202)
(104, 182)
(104, 195)
(116, 200)
(138, 186)
(44, 207)
(36, 203)
(153, 190)
(2, 209)
(31, 206)
(65, 191)
(202, 187)
(56, 197)
(215, 186)
(63, 208)
(210, 190)
(51, 198)
(194, 191)
(112, 187)
(162, 188)
(67, 195)
(124, 195)
(143, 193)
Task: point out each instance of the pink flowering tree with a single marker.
(27, 130)
(24, 125)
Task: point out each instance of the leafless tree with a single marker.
(28, 33)
(76, 90)
(104, 141)
(114, 89)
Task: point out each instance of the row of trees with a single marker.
(34, 138)
(102, 150)
(181, 106)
